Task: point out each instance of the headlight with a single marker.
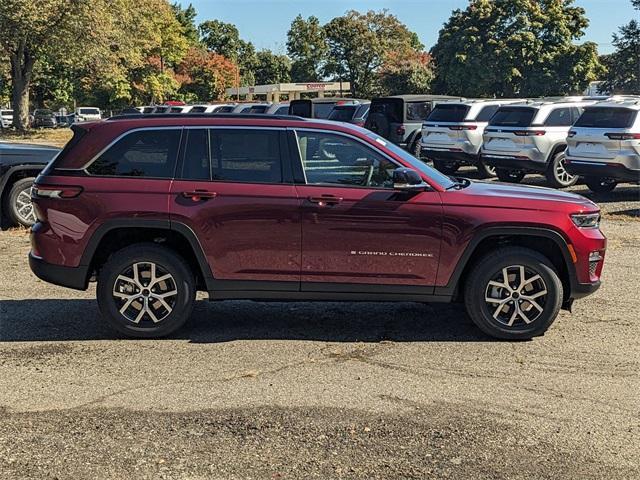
(586, 220)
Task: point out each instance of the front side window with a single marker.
(560, 117)
(141, 153)
(246, 155)
(335, 159)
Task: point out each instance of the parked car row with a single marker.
(512, 138)
(46, 118)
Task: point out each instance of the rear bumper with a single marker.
(70, 277)
(511, 162)
(450, 156)
(616, 171)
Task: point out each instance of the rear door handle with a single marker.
(325, 200)
(197, 195)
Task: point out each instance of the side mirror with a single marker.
(407, 180)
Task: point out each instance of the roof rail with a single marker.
(248, 116)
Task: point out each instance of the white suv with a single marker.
(6, 118)
(452, 134)
(531, 137)
(88, 114)
(604, 144)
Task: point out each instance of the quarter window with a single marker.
(246, 155)
(142, 153)
(336, 159)
(196, 165)
(560, 117)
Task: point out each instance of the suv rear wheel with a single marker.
(511, 176)
(557, 174)
(513, 293)
(485, 171)
(446, 167)
(18, 206)
(600, 185)
(146, 291)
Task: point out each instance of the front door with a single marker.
(356, 229)
(231, 191)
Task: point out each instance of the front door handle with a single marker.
(197, 195)
(325, 200)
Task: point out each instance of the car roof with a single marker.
(630, 103)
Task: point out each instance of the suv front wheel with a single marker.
(146, 291)
(513, 293)
(557, 174)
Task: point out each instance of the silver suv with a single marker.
(452, 134)
(604, 144)
(531, 137)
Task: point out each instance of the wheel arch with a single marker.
(16, 173)
(559, 147)
(546, 241)
(116, 234)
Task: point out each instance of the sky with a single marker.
(265, 22)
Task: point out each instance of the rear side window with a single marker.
(258, 109)
(560, 117)
(246, 155)
(282, 110)
(486, 113)
(225, 109)
(448, 113)
(391, 110)
(142, 153)
(418, 110)
(606, 117)
(513, 117)
(176, 110)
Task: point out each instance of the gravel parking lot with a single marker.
(327, 390)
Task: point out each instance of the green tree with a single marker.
(187, 18)
(224, 39)
(360, 43)
(623, 65)
(271, 68)
(515, 48)
(406, 74)
(307, 47)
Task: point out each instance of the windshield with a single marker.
(448, 113)
(606, 117)
(89, 111)
(419, 165)
(6, 113)
(342, 113)
(513, 117)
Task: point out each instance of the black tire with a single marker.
(416, 148)
(17, 203)
(446, 167)
(557, 174)
(165, 260)
(484, 170)
(511, 176)
(600, 185)
(489, 268)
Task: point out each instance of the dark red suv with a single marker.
(249, 207)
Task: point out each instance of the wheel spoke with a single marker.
(165, 295)
(535, 295)
(513, 315)
(533, 303)
(127, 304)
(132, 281)
(160, 279)
(493, 283)
(523, 315)
(531, 280)
(163, 302)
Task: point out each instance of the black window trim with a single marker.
(295, 152)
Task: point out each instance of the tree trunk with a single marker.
(21, 70)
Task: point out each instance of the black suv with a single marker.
(19, 165)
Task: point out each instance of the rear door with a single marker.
(357, 230)
(233, 189)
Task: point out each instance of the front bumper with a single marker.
(70, 277)
(617, 171)
(581, 290)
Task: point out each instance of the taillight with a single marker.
(463, 127)
(400, 130)
(571, 133)
(623, 136)
(55, 191)
(529, 133)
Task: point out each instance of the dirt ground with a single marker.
(322, 390)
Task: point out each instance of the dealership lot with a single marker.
(303, 390)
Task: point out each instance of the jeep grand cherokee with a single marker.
(279, 207)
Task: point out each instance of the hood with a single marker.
(522, 197)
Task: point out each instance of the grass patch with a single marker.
(57, 137)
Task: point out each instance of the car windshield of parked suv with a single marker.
(513, 117)
(89, 111)
(606, 117)
(416, 164)
(342, 113)
(6, 113)
(448, 113)
(418, 110)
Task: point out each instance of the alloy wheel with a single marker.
(515, 296)
(24, 207)
(145, 292)
(562, 174)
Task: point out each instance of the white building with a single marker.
(292, 90)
